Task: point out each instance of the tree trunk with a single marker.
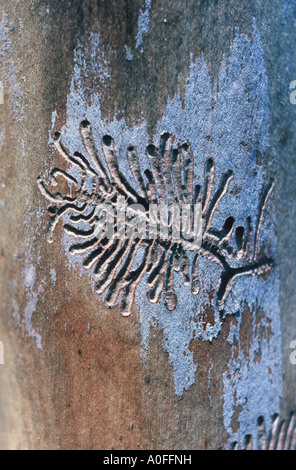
(165, 102)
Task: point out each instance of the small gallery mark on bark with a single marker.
(282, 435)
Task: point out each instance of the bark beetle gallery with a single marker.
(169, 180)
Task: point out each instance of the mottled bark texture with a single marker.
(209, 370)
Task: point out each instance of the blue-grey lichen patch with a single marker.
(54, 117)
(53, 276)
(2, 138)
(288, 8)
(6, 61)
(27, 291)
(227, 121)
(33, 290)
(253, 381)
(143, 23)
(143, 29)
(128, 53)
(2, 183)
(229, 124)
(90, 65)
(32, 294)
